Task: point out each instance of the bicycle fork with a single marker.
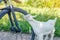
(17, 28)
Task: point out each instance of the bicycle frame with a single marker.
(9, 9)
(9, 14)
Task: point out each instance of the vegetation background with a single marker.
(44, 9)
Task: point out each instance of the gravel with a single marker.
(17, 36)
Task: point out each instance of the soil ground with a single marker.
(17, 36)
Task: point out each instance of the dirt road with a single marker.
(17, 36)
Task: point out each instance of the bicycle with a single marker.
(10, 10)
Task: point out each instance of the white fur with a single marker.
(41, 28)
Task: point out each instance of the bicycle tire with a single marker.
(3, 12)
(20, 10)
(25, 13)
(6, 10)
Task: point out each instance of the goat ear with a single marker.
(34, 16)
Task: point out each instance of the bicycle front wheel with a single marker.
(25, 13)
(3, 12)
(20, 10)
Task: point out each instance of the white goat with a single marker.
(41, 28)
